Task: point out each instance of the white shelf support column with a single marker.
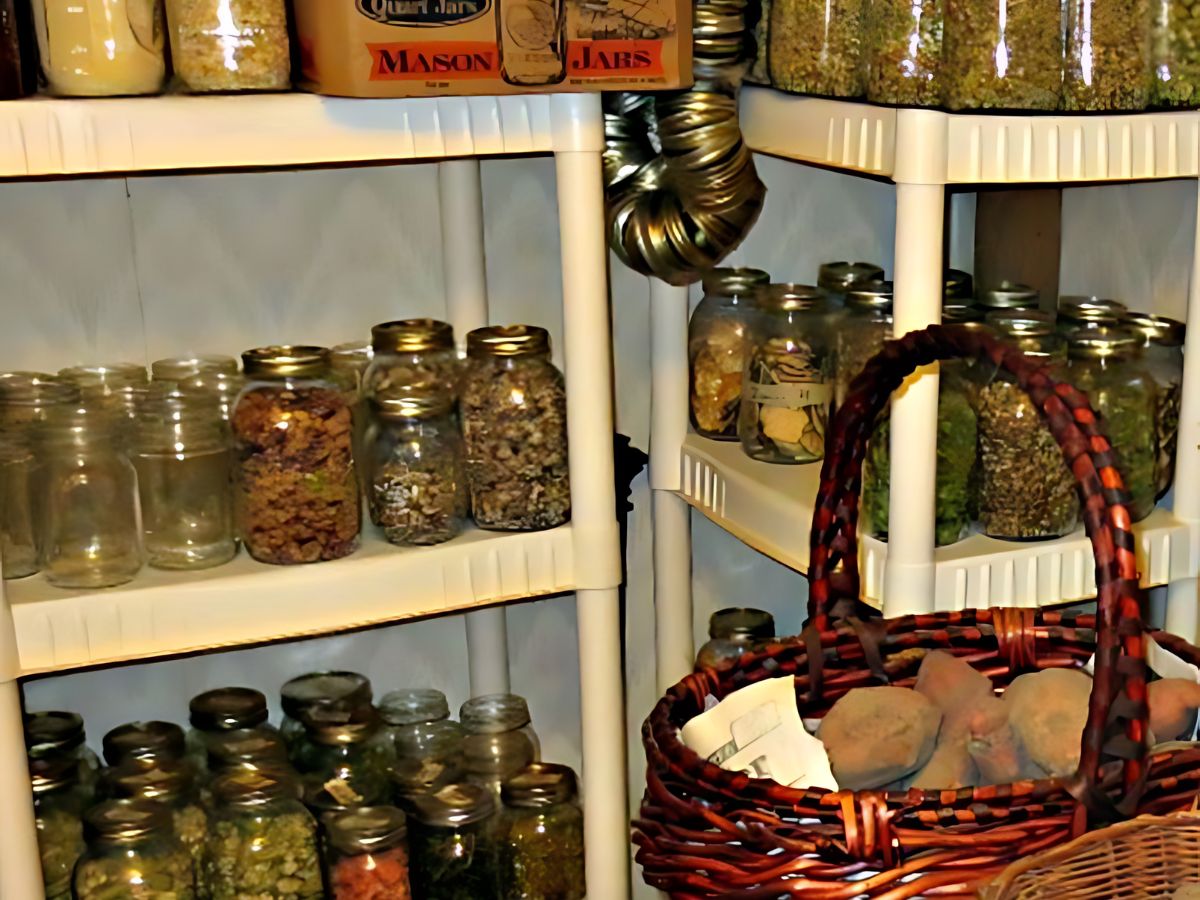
(464, 268)
(20, 867)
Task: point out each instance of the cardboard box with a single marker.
(421, 48)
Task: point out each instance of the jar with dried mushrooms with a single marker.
(132, 852)
(297, 492)
(514, 424)
(1002, 54)
(542, 835)
(230, 45)
(1162, 341)
(816, 47)
(1107, 57)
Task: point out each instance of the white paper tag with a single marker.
(758, 730)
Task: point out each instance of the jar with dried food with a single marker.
(1003, 54)
(1106, 363)
(367, 854)
(174, 369)
(132, 852)
(1008, 295)
(20, 555)
(1174, 54)
(101, 48)
(1108, 56)
(542, 828)
(732, 632)
(59, 799)
(1162, 353)
(789, 377)
(428, 743)
(257, 748)
(263, 842)
(320, 696)
(152, 742)
(55, 736)
(1076, 312)
(349, 760)
(90, 521)
(220, 711)
(903, 51)
(861, 331)
(837, 279)
(717, 349)
(414, 469)
(816, 47)
(412, 356)
(455, 852)
(230, 45)
(499, 740)
(297, 491)
(514, 425)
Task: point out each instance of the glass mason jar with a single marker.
(221, 390)
(220, 711)
(903, 51)
(412, 356)
(367, 854)
(102, 382)
(1174, 55)
(514, 425)
(428, 743)
(1076, 312)
(1008, 295)
(91, 524)
(837, 279)
(324, 696)
(1108, 56)
(732, 632)
(174, 369)
(499, 740)
(101, 48)
(861, 332)
(297, 491)
(54, 737)
(1162, 353)
(1003, 54)
(28, 398)
(349, 363)
(261, 748)
(230, 45)
(414, 469)
(959, 285)
(349, 760)
(816, 47)
(132, 851)
(20, 555)
(149, 742)
(59, 799)
(542, 829)
(717, 349)
(262, 842)
(453, 841)
(1026, 490)
(1106, 363)
(789, 378)
(181, 451)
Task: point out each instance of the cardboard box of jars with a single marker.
(416, 48)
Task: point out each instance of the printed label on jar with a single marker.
(791, 395)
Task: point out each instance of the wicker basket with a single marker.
(705, 832)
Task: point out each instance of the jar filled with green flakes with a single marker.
(542, 835)
(861, 331)
(816, 47)
(1175, 54)
(1162, 342)
(1107, 56)
(350, 759)
(789, 377)
(1003, 54)
(1106, 363)
(903, 51)
(132, 852)
(454, 844)
(59, 799)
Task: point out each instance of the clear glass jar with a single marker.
(1174, 55)
(221, 390)
(261, 748)
(861, 331)
(1075, 312)
(263, 842)
(788, 385)
(1162, 343)
(837, 279)
(350, 759)
(151, 742)
(132, 852)
(455, 851)
(542, 828)
(297, 491)
(230, 45)
(367, 854)
(1106, 363)
(1026, 489)
(174, 369)
(733, 632)
(28, 398)
(325, 696)
(428, 743)
(1007, 296)
(59, 799)
(815, 47)
(20, 555)
(349, 361)
(101, 48)
(54, 736)
(91, 527)
(717, 350)
(903, 51)
(1107, 56)
(220, 711)
(102, 382)
(514, 425)
(1003, 54)
(412, 356)
(499, 740)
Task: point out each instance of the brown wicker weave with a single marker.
(705, 832)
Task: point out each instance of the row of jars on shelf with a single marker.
(277, 457)
(768, 361)
(1075, 55)
(237, 808)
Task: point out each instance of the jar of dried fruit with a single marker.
(717, 349)
(59, 799)
(349, 759)
(732, 632)
(327, 696)
(412, 356)
(903, 51)
(132, 851)
(230, 45)
(1076, 312)
(816, 47)
(514, 425)
(836, 279)
(861, 331)
(1002, 54)
(789, 377)
(428, 743)
(219, 711)
(499, 741)
(1162, 343)
(455, 850)
(1107, 56)
(367, 854)
(542, 828)
(297, 492)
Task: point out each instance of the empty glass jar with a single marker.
(367, 854)
(542, 835)
(428, 743)
(1162, 340)
(216, 388)
(500, 739)
(133, 852)
(732, 632)
(455, 851)
(174, 369)
(19, 547)
(97, 385)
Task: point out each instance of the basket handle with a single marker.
(1120, 649)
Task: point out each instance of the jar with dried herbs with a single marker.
(816, 47)
(733, 632)
(1162, 349)
(323, 697)
(59, 800)
(54, 736)
(220, 711)
(1175, 54)
(1106, 363)
(789, 377)
(1003, 54)
(903, 51)
(1108, 56)
(132, 852)
(230, 45)
(349, 760)
(837, 279)
(367, 854)
(717, 349)
(860, 332)
(297, 491)
(514, 425)
(454, 844)
(152, 743)
(428, 743)
(542, 828)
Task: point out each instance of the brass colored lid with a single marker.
(455, 804)
(871, 295)
(786, 297)
(1031, 330)
(177, 368)
(540, 784)
(412, 406)
(126, 821)
(735, 281)
(367, 829)
(842, 276)
(228, 709)
(508, 340)
(286, 361)
(1159, 330)
(1075, 310)
(412, 336)
(741, 622)
(1103, 343)
(1009, 295)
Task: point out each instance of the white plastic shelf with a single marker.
(44, 136)
(161, 613)
(770, 508)
(930, 147)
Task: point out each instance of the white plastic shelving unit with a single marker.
(44, 629)
(770, 507)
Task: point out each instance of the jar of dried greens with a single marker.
(323, 696)
(59, 799)
(514, 425)
(903, 51)
(1076, 312)
(367, 854)
(1003, 54)
(147, 742)
(861, 332)
(499, 741)
(262, 841)
(412, 356)
(816, 47)
(297, 491)
(837, 279)
(55, 737)
(20, 555)
(1008, 295)
(428, 743)
(542, 827)
(1106, 363)
(453, 842)
(1026, 489)
(220, 711)
(348, 759)
(789, 377)
(174, 369)
(1174, 54)
(132, 851)
(414, 469)
(1162, 343)
(230, 45)
(732, 632)
(717, 349)
(1107, 56)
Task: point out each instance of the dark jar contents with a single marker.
(18, 50)
(732, 632)
(297, 492)
(514, 425)
(133, 853)
(367, 854)
(542, 828)
(455, 853)
(348, 760)
(320, 696)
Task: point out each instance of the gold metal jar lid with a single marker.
(143, 740)
(177, 368)
(1159, 330)
(286, 361)
(367, 829)
(1103, 343)
(412, 336)
(538, 785)
(876, 294)
(126, 821)
(787, 297)
(412, 406)
(1076, 310)
(508, 340)
(841, 276)
(734, 282)
(1009, 295)
(1030, 329)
